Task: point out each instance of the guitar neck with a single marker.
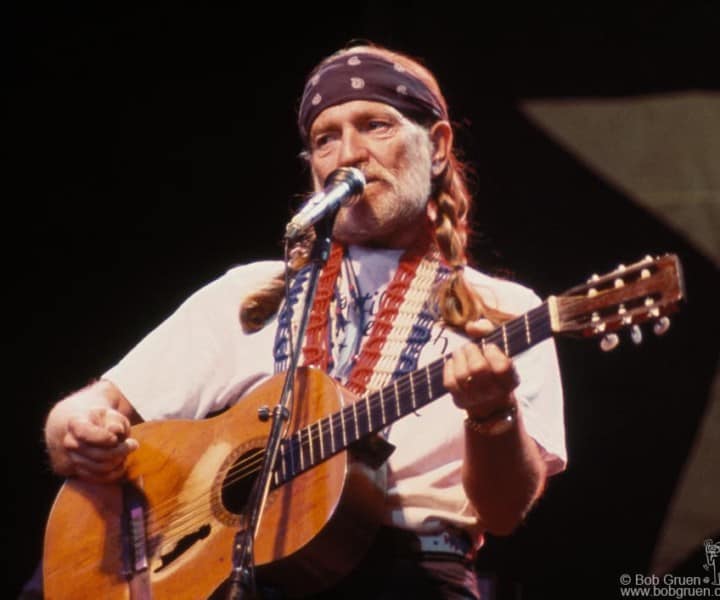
(374, 411)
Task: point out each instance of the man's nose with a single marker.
(353, 150)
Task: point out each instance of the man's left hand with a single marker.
(481, 378)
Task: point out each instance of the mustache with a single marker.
(373, 175)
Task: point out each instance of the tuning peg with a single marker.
(661, 326)
(609, 342)
(636, 335)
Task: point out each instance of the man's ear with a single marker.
(441, 136)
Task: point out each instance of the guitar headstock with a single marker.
(648, 290)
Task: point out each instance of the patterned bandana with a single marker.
(365, 76)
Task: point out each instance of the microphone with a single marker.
(341, 186)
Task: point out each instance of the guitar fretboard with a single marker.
(374, 411)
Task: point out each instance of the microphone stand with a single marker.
(242, 578)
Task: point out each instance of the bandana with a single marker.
(365, 76)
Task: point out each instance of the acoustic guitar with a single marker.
(167, 531)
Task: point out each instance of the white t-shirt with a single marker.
(199, 361)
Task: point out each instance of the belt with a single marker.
(449, 543)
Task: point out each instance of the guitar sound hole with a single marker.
(239, 480)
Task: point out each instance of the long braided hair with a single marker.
(450, 208)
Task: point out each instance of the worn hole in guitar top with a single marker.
(183, 544)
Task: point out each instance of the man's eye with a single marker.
(375, 125)
(322, 140)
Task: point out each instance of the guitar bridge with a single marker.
(134, 537)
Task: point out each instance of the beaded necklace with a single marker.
(400, 328)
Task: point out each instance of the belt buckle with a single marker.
(447, 542)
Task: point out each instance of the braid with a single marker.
(458, 303)
(258, 307)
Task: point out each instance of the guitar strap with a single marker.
(400, 328)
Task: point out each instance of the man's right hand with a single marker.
(87, 433)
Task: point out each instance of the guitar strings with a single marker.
(186, 517)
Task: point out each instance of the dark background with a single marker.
(150, 149)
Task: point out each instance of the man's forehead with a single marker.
(353, 110)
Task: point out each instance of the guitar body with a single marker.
(193, 478)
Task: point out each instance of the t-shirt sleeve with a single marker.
(198, 359)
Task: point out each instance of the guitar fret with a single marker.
(429, 382)
(398, 412)
(320, 437)
(331, 426)
(300, 448)
(378, 410)
(382, 408)
(413, 399)
(291, 456)
(505, 339)
(319, 445)
(527, 330)
(289, 459)
(344, 429)
(283, 460)
(369, 416)
(355, 418)
(310, 445)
